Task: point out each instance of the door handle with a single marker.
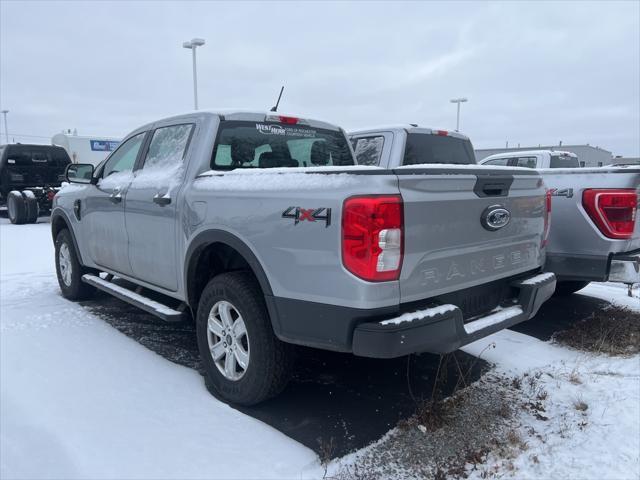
(116, 196)
(162, 200)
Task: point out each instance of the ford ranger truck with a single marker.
(263, 228)
(596, 232)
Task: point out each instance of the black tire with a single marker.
(75, 288)
(31, 204)
(270, 360)
(566, 287)
(16, 208)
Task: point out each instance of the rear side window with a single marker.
(268, 145)
(168, 146)
(564, 161)
(428, 148)
(498, 161)
(368, 150)
(528, 162)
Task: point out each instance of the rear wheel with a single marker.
(568, 287)
(16, 208)
(244, 361)
(69, 270)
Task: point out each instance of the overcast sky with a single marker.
(533, 73)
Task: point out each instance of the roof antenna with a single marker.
(275, 107)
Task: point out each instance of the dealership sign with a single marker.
(103, 145)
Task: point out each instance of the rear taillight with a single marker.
(372, 237)
(613, 211)
(547, 220)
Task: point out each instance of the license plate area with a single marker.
(476, 301)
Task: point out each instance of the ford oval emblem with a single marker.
(495, 217)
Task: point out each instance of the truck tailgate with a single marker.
(570, 219)
(454, 241)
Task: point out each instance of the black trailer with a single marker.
(30, 176)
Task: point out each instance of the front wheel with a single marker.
(69, 270)
(244, 361)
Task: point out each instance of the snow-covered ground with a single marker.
(78, 399)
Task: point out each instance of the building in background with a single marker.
(85, 149)
(587, 155)
(619, 160)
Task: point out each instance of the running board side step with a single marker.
(151, 306)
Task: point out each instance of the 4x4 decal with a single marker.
(308, 214)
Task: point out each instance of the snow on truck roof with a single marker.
(245, 115)
(410, 128)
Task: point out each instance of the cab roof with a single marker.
(409, 128)
(520, 153)
(243, 115)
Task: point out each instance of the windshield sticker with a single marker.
(270, 129)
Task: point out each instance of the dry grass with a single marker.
(614, 331)
(580, 405)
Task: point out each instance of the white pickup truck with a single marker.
(595, 234)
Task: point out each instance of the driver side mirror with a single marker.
(80, 173)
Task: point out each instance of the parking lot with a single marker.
(105, 365)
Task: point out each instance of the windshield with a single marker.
(427, 148)
(564, 161)
(243, 144)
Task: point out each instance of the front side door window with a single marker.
(124, 158)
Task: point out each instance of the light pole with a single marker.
(458, 101)
(6, 129)
(195, 42)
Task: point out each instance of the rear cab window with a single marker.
(434, 148)
(564, 161)
(250, 144)
(497, 161)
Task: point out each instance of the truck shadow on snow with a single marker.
(337, 403)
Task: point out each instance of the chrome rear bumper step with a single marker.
(136, 299)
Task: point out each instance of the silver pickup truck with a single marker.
(596, 233)
(262, 227)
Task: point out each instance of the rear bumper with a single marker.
(625, 268)
(618, 267)
(442, 329)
